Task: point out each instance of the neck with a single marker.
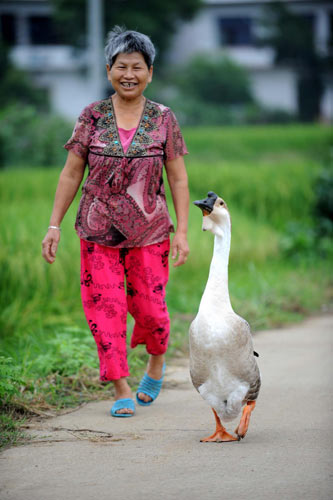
(128, 104)
(217, 291)
(128, 113)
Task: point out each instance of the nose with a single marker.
(128, 73)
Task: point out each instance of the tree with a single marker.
(16, 87)
(156, 19)
(208, 90)
(216, 81)
(291, 36)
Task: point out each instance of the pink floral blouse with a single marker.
(123, 199)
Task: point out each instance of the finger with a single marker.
(48, 257)
(46, 252)
(53, 249)
(181, 259)
(174, 252)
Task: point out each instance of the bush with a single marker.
(192, 112)
(257, 114)
(324, 201)
(211, 91)
(315, 237)
(16, 86)
(32, 139)
(66, 353)
(10, 380)
(215, 81)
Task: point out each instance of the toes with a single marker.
(124, 410)
(144, 397)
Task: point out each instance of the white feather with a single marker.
(222, 364)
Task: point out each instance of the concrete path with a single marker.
(88, 455)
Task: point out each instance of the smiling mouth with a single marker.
(128, 85)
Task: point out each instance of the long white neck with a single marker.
(216, 294)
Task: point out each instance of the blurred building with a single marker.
(27, 27)
(231, 27)
(220, 26)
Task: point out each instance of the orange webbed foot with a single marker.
(220, 435)
(245, 420)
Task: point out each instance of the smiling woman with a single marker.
(123, 220)
(129, 76)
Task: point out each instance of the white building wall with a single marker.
(197, 36)
(327, 103)
(275, 88)
(69, 93)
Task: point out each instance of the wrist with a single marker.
(54, 227)
(182, 231)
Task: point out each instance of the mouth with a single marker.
(207, 204)
(205, 210)
(128, 85)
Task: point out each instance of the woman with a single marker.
(123, 221)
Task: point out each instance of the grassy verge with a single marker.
(280, 266)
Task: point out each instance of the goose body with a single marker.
(222, 363)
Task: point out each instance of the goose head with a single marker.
(216, 217)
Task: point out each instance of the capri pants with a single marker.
(106, 301)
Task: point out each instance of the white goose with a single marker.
(222, 363)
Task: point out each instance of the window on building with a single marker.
(236, 31)
(309, 21)
(7, 29)
(42, 31)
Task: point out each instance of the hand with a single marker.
(179, 246)
(50, 245)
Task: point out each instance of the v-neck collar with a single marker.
(132, 143)
(142, 138)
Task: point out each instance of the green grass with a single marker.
(269, 144)
(265, 174)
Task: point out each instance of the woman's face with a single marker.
(129, 75)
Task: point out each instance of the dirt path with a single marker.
(88, 455)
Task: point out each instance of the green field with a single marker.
(280, 268)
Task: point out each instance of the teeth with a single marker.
(128, 84)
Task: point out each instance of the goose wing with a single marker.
(199, 368)
(247, 368)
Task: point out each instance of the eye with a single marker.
(221, 203)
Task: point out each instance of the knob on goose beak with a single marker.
(207, 204)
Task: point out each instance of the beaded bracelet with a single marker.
(54, 227)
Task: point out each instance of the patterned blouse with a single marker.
(123, 201)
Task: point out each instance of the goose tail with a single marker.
(231, 407)
(230, 411)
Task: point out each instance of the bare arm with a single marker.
(68, 185)
(177, 178)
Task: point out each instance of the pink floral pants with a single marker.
(106, 302)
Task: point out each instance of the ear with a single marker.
(108, 70)
(150, 77)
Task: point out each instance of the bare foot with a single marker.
(155, 371)
(123, 391)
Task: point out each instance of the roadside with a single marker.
(87, 454)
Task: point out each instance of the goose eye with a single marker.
(221, 203)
